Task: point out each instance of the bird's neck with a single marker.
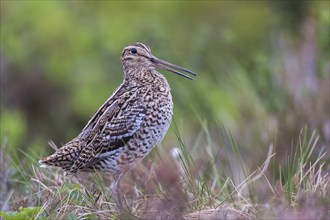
(145, 75)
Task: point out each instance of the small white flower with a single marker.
(176, 153)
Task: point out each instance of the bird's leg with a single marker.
(115, 191)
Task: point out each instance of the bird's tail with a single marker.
(63, 157)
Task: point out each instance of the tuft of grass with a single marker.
(303, 186)
(24, 213)
(209, 179)
(300, 169)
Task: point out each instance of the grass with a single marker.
(209, 180)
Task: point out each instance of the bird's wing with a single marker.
(106, 108)
(114, 128)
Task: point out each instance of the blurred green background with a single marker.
(263, 68)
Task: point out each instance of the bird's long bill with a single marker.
(172, 67)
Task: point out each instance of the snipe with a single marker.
(128, 125)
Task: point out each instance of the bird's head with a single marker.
(138, 55)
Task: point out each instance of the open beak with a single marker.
(171, 67)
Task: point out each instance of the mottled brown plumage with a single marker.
(129, 124)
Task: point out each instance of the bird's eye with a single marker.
(133, 51)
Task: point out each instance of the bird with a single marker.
(131, 122)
